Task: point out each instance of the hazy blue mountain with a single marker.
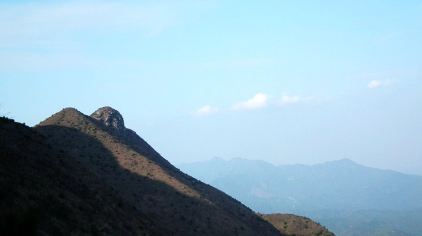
(347, 197)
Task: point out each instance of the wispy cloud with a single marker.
(47, 20)
(206, 110)
(287, 100)
(260, 100)
(38, 61)
(374, 84)
(242, 63)
(55, 35)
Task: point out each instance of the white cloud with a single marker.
(206, 110)
(260, 100)
(377, 84)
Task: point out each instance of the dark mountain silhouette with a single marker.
(348, 198)
(45, 191)
(89, 175)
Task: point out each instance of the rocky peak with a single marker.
(110, 118)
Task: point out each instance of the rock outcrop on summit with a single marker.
(111, 119)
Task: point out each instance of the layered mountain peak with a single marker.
(111, 118)
(153, 188)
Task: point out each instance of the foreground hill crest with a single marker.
(136, 176)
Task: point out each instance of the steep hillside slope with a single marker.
(173, 201)
(44, 191)
(293, 225)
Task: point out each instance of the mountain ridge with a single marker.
(84, 151)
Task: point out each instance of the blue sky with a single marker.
(281, 81)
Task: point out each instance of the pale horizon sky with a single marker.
(285, 82)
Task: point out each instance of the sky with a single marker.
(281, 81)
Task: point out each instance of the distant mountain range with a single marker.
(349, 198)
(75, 174)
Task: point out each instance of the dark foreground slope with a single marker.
(44, 191)
(90, 175)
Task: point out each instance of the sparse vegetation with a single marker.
(293, 225)
(6, 120)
